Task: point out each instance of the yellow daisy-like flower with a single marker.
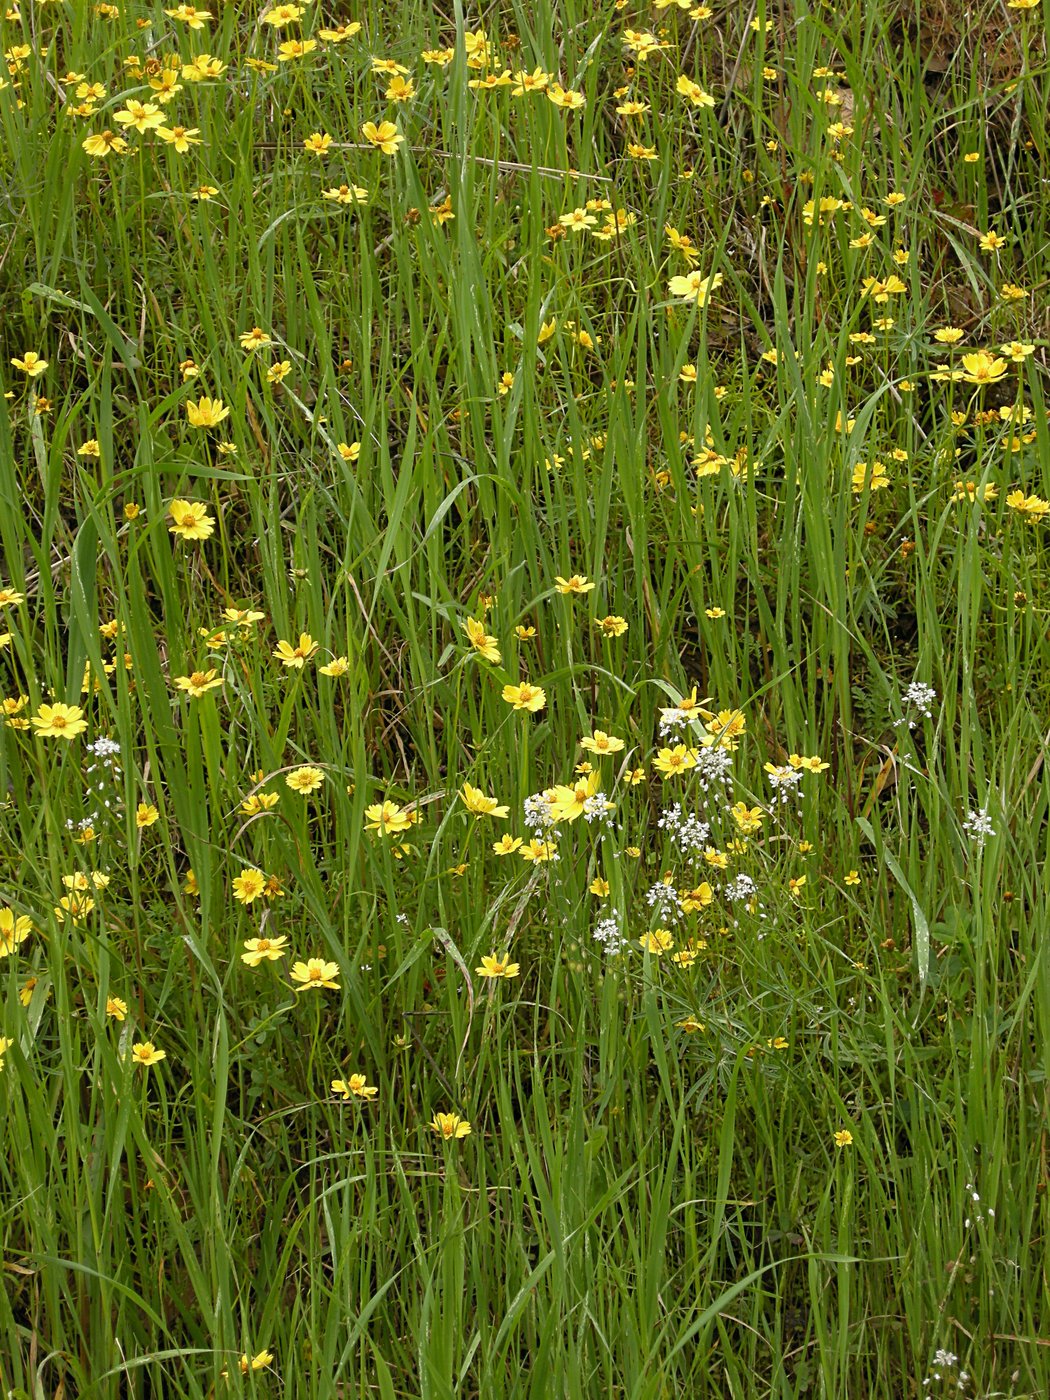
(525, 696)
(450, 1126)
(145, 1053)
(305, 780)
(190, 520)
(248, 885)
(199, 683)
(356, 1087)
(14, 930)
(600, 742)
(578, 584)
(498, 966)
(486, 646)
(259, 950)
(206, 413)
(481, 805)
(693, 287)
(59, 721)
(657, 942)
(314, 974)
(31, 364)
(386, 818)
(296, 655)
(385, 137)
(140, 116)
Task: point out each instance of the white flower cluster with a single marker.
(714, 767)
(608, 933)
(743, 887)
(785, 782)
(688, 833)
(664, 901)
(978, 826)
(598, 808)
(537, 810)
(944, 1369)
(919, 697)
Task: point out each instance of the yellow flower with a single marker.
(567, 98)
(698, 898)
(338, 666)
(305, 780)
(191, 520)
(248, 885)
(982, 368)
(598, 887)
(280, 15)
(480, 640)
(600, 742)
(146, 815)
(385, 137)
(346, 194)
(258, 950)
(292, 49)
(693, 287)
(356, 1087)
(349, 451)
(493, 966)
(386, 818)
(30, 364)
(852, 877)
(317, 143)
(690, 1025)
(450, 1125)
(59, 721)
(537, 851)
(400, 89)
(506, 845)
(142, 116)
(259, 802)
(611, 626)
(341, 33)
(181, 137)
(145, 1053)
(480, 805)
(685, 87)
(255, 339)
(568, 803)
(815, 764)
(14, 930)
(676, 760)
(296, 656)
(525, 697)
(315, 973)
(100, 145)
(725, 727)
(116, 1007)
(843, 1138)
(208, 413)
(577, 584)
(657, 942)
(278, 372)
(747, 819)
(199, 683)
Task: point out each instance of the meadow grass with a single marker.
(758, 1107)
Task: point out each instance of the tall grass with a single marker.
(651, 1200)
